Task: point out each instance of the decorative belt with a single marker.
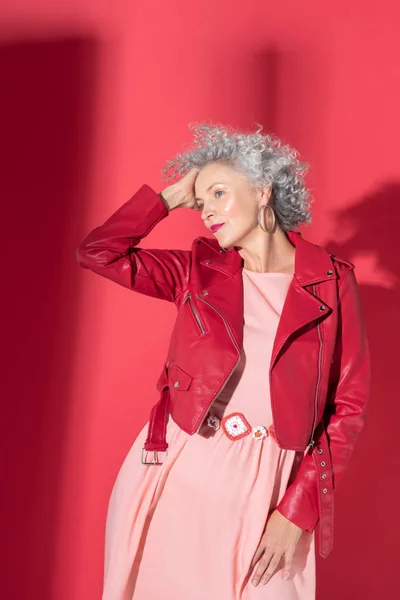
(235, 426)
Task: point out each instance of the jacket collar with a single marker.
(313, 264)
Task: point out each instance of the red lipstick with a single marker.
(214, 228)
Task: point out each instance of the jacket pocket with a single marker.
(178, 378)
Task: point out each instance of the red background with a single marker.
(95, 97)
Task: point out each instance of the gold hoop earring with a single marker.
(270, 229)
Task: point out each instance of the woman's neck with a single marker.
(268, 252)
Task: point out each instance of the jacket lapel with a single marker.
(313, 265)
(220, 277)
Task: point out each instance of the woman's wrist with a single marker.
(168, 200)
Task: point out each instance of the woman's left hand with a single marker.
(278, 542)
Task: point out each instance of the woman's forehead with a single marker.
(214, 173)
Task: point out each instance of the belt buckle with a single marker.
(155, 460)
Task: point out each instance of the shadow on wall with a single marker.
(367, 517)
(46, 110)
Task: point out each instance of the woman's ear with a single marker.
(264, 195)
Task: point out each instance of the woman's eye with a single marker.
(219, 192)
(200, 206)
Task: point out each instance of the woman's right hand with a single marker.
(181, 194)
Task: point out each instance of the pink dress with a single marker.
(188, 530)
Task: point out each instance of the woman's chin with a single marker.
(227, 242)
(224, 243)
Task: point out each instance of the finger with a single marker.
(262, 566)
(272, 568)
(193, 173)
(288, 565)
(190, 178)
(258, 554)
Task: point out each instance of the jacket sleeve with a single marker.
(343, 418)
(111, 250)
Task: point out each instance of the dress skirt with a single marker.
(188, 529)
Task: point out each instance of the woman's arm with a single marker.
(111, 249)
(345, 409)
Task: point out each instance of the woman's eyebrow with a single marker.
(211, 186)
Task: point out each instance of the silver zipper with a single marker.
(195, 313)
(312, 441)
(234, 367)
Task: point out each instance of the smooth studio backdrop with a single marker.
(96, 95)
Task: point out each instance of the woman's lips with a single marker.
(215, 228)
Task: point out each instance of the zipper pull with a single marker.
(311, 444)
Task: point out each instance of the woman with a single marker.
(263, 390)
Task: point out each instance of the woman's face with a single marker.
(227, 200)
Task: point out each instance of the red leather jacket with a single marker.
(319, 371)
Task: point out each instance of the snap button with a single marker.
(207, 262)
(323, 475)
(205, 292)
(323, 464)
(329, 272)
(319, 450)
(322, 307)
(176, 384)
(324, 491)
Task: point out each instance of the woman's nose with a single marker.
(207, 212)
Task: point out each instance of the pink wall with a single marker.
(96, 96)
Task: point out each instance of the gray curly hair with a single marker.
(262, 158)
